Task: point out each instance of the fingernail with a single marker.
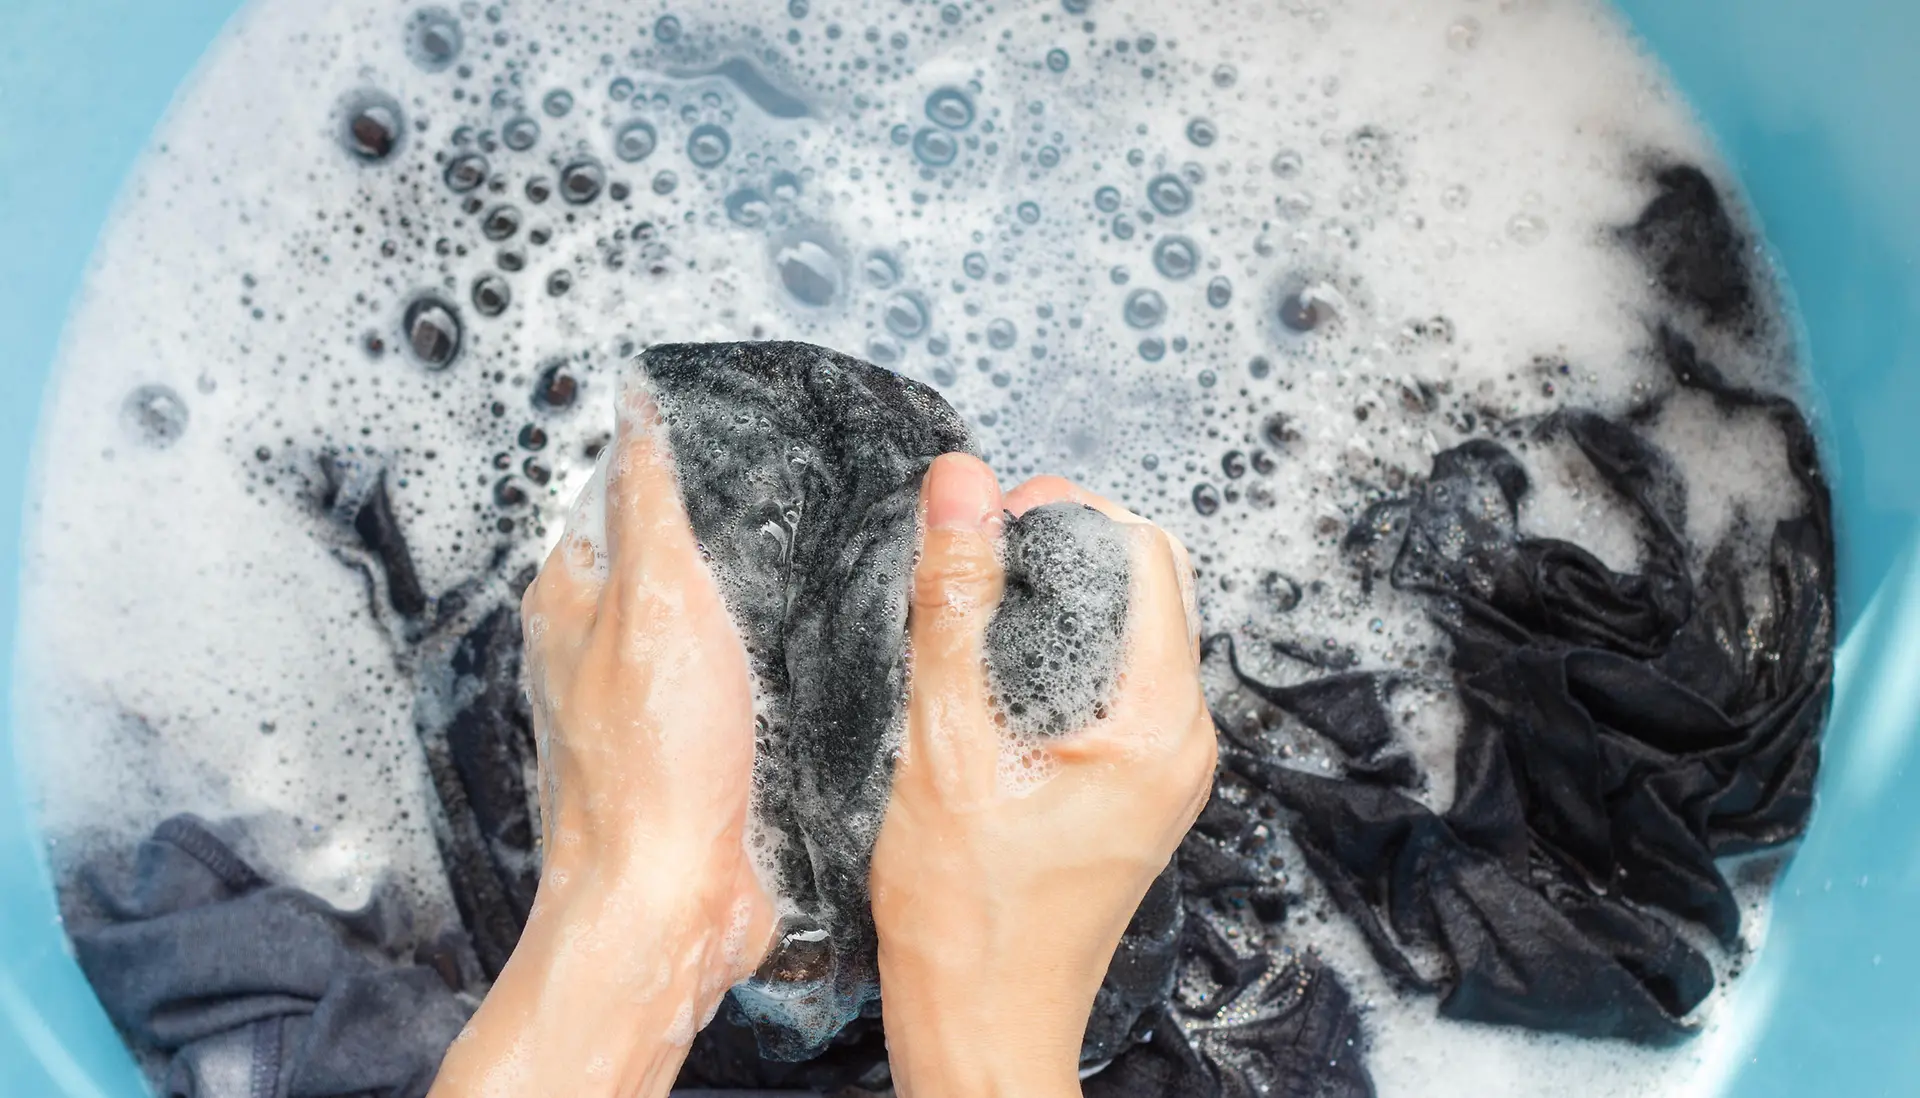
(961, 493)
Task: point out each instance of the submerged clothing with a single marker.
(255, 990)
(1623, 731)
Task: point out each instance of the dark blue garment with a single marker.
(256, 990)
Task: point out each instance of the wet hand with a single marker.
(648, 907)
(999, 899)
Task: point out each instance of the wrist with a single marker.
(965, 1036)
(615, 972)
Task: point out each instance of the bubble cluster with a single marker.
(1055, 642)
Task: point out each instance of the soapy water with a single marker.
(1242, 267)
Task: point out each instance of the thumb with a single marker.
(956, 588)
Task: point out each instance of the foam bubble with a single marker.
(1054, 645)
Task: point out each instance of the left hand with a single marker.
(649, 906)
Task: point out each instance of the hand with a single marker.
(999, 906)
(648, 907)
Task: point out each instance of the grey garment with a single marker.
(258, 990)
(801, 469)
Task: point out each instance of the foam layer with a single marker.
(1242, 266)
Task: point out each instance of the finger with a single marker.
(1158, 633)
(559, 607)
(1159, 689)
(646, 519)
(956, 587)
(1189, 598)
(1043, 490)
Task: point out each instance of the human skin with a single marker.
(999, 903)
(997, 910)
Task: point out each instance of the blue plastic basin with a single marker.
(1814, 104)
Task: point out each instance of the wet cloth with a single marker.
(256, 990)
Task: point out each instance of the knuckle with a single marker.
(1161, 546)
(955, 575)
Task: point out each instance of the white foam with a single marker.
(191, 638)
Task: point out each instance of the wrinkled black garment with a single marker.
(800, 470)
(260, 991)
(1689, 243)
(1348, 709)
(463, 647)
(1251, 1018)
(1623, 730)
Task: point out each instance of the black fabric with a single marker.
(1623, 731)
(261, 991)
(477, 734)
(1251, 1018)
(1349, 709)
(463, 649)
(801, 470)
(355, 494)
(1688, 241)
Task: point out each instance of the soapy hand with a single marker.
(999, 904)
(648, 907)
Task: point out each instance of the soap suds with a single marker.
(1243, 267)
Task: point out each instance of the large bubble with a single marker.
(432, 327)
(1169, 194)
(747, 206)
(491, 295)
(1145, 309)
(906, 315)
(708, 145)
(465, 172)
(372, 126)
(935, 147)
(520, 133)
(433, 38)
(581, 180)
(950, 107)
(635, 141)
(1176, 257)
(809, 270)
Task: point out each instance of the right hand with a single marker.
(999, 905)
